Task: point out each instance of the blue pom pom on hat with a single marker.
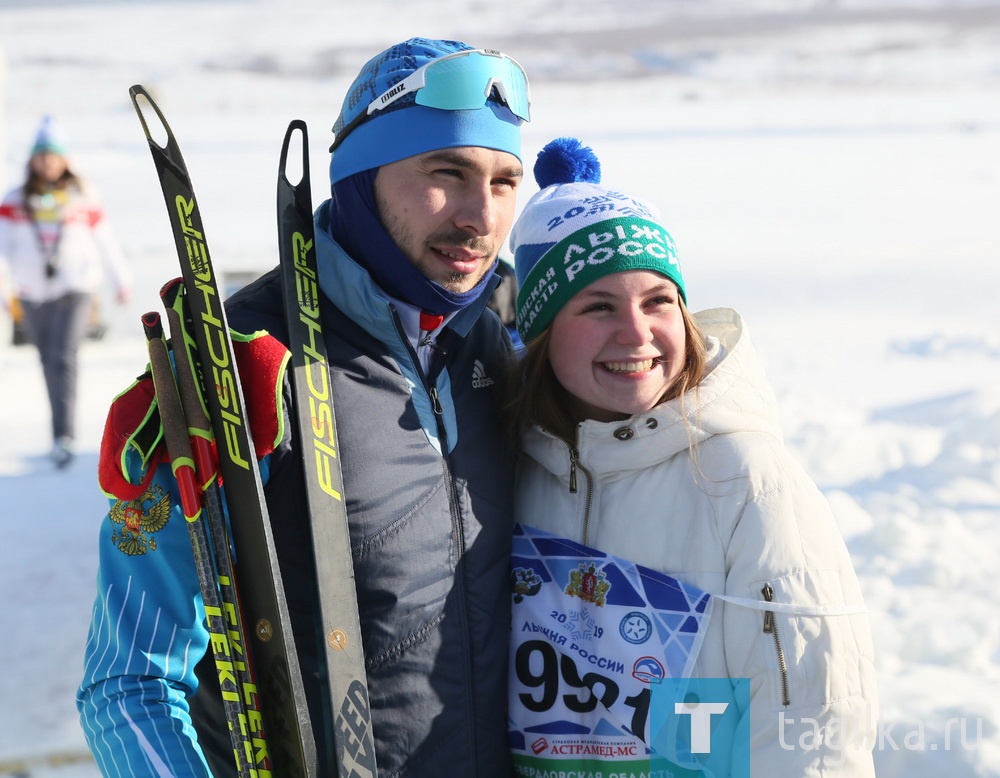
(575, 231)
(564, 161)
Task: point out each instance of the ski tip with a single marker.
(164, 142)
(295, 167)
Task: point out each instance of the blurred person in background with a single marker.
(60, 251)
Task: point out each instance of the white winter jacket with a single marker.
(702, 488)
(88, 253)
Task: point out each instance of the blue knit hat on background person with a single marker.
(575, 231)
(49, 138)
(404, 128)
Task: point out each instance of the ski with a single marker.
(317, 438)
(283, 701)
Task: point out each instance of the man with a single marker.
(425, 167)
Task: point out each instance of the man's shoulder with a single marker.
(489, 337)
(258, 307)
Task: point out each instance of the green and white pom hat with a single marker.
(575, 231)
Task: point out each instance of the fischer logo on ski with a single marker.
(320, 408)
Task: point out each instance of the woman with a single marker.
(652, 452)
(57, 242)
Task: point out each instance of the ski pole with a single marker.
(201, 441)
(228, 657)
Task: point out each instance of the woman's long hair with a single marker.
(35, 184)
(534, 395)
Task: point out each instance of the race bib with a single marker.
(589, 632)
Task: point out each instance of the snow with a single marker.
(830, 169)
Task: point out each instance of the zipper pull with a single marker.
(435, 401)
(573, 456)
(428, 323)
(768, 592)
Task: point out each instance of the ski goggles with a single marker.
(461, 81)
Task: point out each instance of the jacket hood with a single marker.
(734, 396)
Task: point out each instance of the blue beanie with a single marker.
(404, 129)
(49, 139)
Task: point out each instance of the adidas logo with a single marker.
(479, 378)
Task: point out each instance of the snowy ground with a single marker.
(830, 169)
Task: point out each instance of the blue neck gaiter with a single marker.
(355, 225)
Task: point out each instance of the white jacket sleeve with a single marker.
(813, 694)
(6, 282)
(113, 260)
